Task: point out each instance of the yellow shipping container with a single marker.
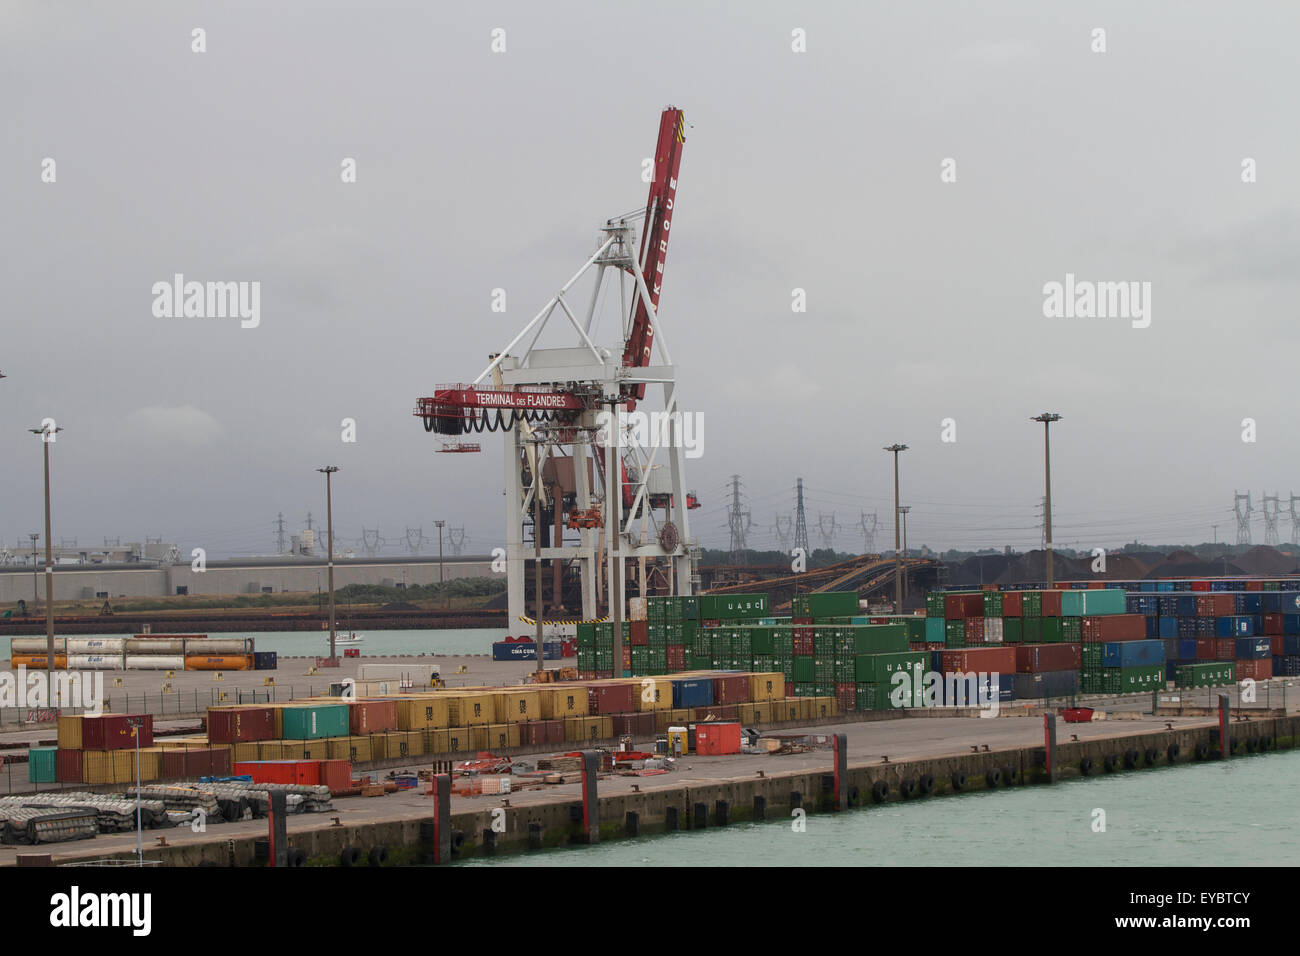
(823, 707)
(458, 740)
(581, 729)
(417, 713)
(789, 709)
(107, 766)
(405, 743)
(663, 720)
(655, 693)
(470, 710)
(680, 716)
(557, 703)
(245, 752)
(150, 763)
(767, 686)
(436, 741)
(182, 743)
(513, 706)
(69, 732)
(502, 736)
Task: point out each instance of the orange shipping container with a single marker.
(372, 717)
(226, 662)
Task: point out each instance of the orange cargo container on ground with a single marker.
(717, 739)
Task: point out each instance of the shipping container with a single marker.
(715, 739)
(218, 662)
(1032, 658)
(615, 697)
(470, 708)
(1044, 684)
(96, 662)
(371, 717)
(41, 764)
(420, 713)
(69, 733)
(1237, 626)
(187, 764)
(228, 725)
(1252, 648)
(1113, 627)
(881, 668)
(115, 731)
(1255, 669)
(1214, 674)
(990, 659)
(304, 773)
(1133, 653)
(698, 691)
(265, 661)
(67, 766)
(314, 721)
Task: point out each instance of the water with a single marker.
(376, 643)
(1212, 814)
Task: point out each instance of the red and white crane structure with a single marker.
(557, 403)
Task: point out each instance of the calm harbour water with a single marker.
(1237, 813)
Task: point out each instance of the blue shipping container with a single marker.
(1291, 644)
(1168, 627)
(1254, 648)
(692, 692)
(265, 660)
(1186, 649)
(1233, 627)
(1132, 653)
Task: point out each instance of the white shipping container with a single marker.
(993, 630)
(36, 645)
(155, 645)
(96, 645)
(95, 662)
(636, 609)
(217, 646)
(155, 662)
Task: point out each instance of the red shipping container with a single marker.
(789, 689)
(612, 698)
(916, 645)
(1033, 658)
(240, 724)
(1261, 669)
(586, 675)
(1225, 605)
(1051, 604)
(1200, 585)
(1113, 627)
(992, 659)
(1225, 648)
(797, 621)
(846, 695)
(335, 774)
(304, 772)
(113, 732)
(639, 633)
(1207, 649)
(1205, 605)
(717, 739)
(803, 646)
(372, 717)
(959, 606)
(1278, 642)
(731, 690)
(1254, 585)
(67, 766)
(1272, 627)
(727, 712)
(1012, 604)
(676, 656)
(974, 630)
(205, 762)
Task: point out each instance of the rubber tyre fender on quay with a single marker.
(1131, 759)
(1153, 755)
(1085, 765)
(855, 797)
(297, 857)
(959, 781)
(378, 855)
(880, 791)
(350, 856)
(1266, 742)
(926, 784)
(1011, 775)
(993, 778)
(907, 788)
(1252, 744)
(1110, 762)
(1202, 750)
(1173, 752)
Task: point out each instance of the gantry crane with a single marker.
(558, 410)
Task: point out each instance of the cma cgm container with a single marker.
(114, 731)
(1132, 653)
(230, 725)
(315, 721)
(1252, 648)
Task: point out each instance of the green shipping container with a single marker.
(954, 633)
(1133, 680)
(587, 635)
(723, 607)
(1013, 630)
(831, 604)
(40, 764)
(1072, 630)
(1031, 630)
(803, 670)
(880, 668)
(992, 603)
(315, 721)
(1092, 602)
(1049, 630)
(1211, 674)
(1031, 605)
(880, 638)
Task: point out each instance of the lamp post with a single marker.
(136, 723)
(441, 585)
(1047, 418)
(898, 557)
(36, 580)
(328, 471)
(47, 431)
(905, 509)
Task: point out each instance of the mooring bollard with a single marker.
(1049, 745)
(590, 798)
(278, 830)
(440, 790)
(840, 744)
(1225, 716)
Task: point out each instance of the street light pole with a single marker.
(905, 509)
(327, 471)
(1047, 418)
(898, 557)
(47, 433)
(136, 723)
(441, 585)
(36, 579)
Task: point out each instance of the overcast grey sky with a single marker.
(817, 170)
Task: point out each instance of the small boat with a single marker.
(350, 638)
